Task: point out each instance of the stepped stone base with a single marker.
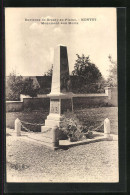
(52, 120)
(50, 136)
(50, 132)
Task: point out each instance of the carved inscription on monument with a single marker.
(54, 106)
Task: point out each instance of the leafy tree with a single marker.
(89, 78)
(16, 85)
(30, 88)
(87, 71)
(112, 79)
(49, 72)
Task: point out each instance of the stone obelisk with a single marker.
(60, 96)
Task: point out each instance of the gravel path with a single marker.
(30, 162)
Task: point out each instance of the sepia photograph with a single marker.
(61, 91)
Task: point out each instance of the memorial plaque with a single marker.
(54, 106)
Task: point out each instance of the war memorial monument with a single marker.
(60, 96)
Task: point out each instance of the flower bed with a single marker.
(73, 129)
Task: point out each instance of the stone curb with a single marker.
(64, 143)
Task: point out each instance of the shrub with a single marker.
(14, 87)
(73, 128)
(28, 107)
(17, 85)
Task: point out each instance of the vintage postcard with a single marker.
(61, 95)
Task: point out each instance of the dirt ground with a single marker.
(31, 162)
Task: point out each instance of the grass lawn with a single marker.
(89, 116)
(95, 116)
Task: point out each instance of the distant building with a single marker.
(44, 83)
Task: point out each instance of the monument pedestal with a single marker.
(53, 120)
(59, 103)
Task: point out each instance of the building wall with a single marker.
(44, 82)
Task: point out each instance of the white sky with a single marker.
(30, 45)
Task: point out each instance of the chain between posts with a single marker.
(98, 126)
(31, 123)
(47, 130)
(28, 130)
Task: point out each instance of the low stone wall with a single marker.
(14, 106)
(114, 97)
(36, 103)
(112, 93)
(42, 102)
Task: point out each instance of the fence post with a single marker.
(107, 128)
(18, 127)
